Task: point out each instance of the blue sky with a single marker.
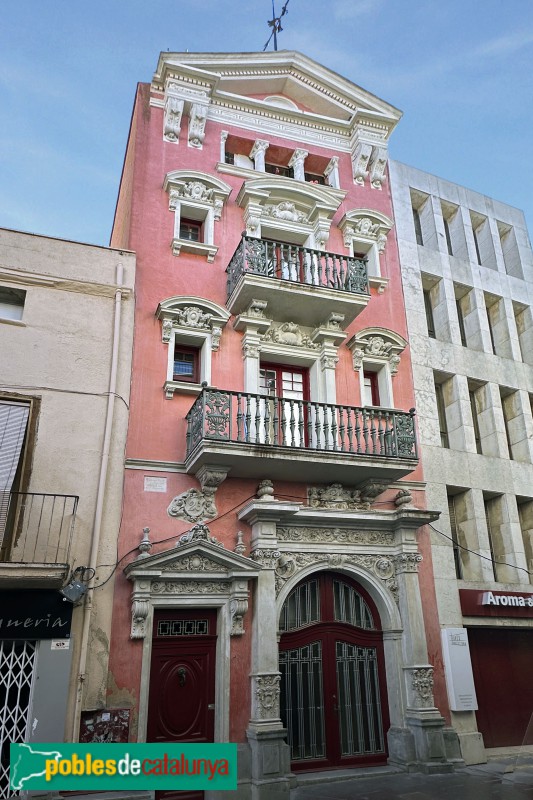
(460, 70)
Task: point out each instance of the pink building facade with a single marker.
(283, 596)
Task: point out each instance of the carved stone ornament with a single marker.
(380, 566)
(193, 506)
(336, 497)
(407, 562)
(238, 608)
(172, 119)
(284, 211)
(289, 334)
(361, 227)
(297, 162)
(191, 587)
(257, 309)
(403, 498)
(139, 614)
(378, 167)
(422, 685)
(377, 344)
(194, 563)
(197, 120)
(328, 362)
(267, 558)
(267, 692)
(240, 547)
(360, 161)
(265, 490)
(199, 533)
(325, 536)
(191, 190)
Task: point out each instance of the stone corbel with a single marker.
(197, 120)
(252, 219)
(238, 608)
(172, 118)
(297, 163)
(378, 167)
(140, 607)
(257, 153)
(360, 161)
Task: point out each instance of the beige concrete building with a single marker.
(467, 271)
(66, 327)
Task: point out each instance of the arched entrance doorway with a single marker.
(333, 689)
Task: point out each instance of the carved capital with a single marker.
(267, 558)
(406, 562)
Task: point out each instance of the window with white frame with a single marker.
(376, 358)
(365, 234)
(191, 327)
(11, 303)
(197, 200)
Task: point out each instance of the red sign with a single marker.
(490, 603)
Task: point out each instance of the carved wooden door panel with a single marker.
(181, 705)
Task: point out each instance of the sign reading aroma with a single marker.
(34, 614)
(479, 603)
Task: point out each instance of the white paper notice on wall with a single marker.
(60, 644)
(458, 670)
(152, 484)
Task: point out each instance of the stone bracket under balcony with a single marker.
(256, 437)
(302, 285)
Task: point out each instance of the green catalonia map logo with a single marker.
(108, 767)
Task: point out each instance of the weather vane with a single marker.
(275, 24)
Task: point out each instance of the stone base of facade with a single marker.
(424, 745)
(472, 748)
(270, 764)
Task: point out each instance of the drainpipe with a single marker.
(97, 525)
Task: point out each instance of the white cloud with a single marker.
(350, 9)
(505, 45)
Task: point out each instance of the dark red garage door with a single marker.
(502, 661)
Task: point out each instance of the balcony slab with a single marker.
(18, 575)
(290, 301)
(294, 464)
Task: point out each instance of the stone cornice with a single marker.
(64, 284)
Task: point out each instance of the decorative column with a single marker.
(254, 323)
(422, 739)
(297, 163)
(332, 173)
(329, 336)
(223, 138)
(266, 734)
(258, 154)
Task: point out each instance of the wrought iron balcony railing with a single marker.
(290, 262)
(36, 528)
(243, 418)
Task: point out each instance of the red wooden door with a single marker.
(181, 705)
(501, 663)
(333, 693)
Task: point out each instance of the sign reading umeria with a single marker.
(108, 767)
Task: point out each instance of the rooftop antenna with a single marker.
(275, 24)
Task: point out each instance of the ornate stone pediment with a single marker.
(365, 225)
(378, 345)
(196, 188)
(196, 567)
(192, 315)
